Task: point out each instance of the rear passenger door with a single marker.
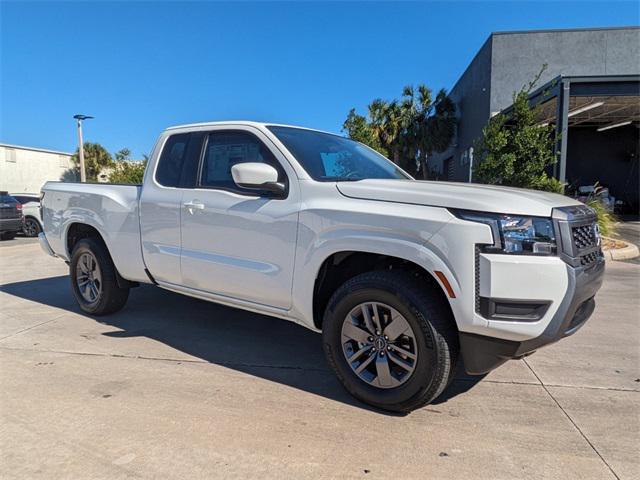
(161, 203)
(240, 243)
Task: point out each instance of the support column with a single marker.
(562, 131)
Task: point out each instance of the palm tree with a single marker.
(424, 105)
(433, 125)
(410, 129)
(96, 158)
(416, 105)
(386, 125)
(393, 130)
(441, 125)
(377, 112)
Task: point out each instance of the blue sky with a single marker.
(139, 67)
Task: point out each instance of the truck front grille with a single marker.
(589, 258)
(577, 228)
(584, 236)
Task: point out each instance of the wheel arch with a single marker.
(34, 218)
(77, 231)
(340, 266)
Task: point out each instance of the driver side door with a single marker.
(239, 243)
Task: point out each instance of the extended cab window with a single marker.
(178, 162)
(226, 149)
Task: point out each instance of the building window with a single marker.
(10, 156)
(64, 161)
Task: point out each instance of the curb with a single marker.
(625, 253)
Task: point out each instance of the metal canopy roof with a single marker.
(592, 101)
(600, 102)
(594, 111)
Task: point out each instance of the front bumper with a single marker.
(482, 354)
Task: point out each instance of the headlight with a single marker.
(515, 234)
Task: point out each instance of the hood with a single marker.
(465, 196)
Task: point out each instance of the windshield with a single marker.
(331, 158)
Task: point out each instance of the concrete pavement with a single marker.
(629, 231)
(173, 387)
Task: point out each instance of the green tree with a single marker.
(515, 150)
(386, 126)
(429, 125)
(440, 125)
(125, 170)
(96, 158)
(407, 130)
(123, 154)
(129, 172)
(358, 129)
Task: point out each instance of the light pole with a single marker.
(79, 118)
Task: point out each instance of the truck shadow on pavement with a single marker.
(258, 345)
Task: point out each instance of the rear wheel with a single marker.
(93, 279)
(31, 227)
(390, 340)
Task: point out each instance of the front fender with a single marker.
(323, 235)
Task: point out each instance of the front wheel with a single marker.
(390, 340)
(93, 279)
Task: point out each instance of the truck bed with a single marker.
(111, 209)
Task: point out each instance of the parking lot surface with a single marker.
(173, 387)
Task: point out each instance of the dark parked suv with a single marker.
(11, 219)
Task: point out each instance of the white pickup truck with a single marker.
(402, 277)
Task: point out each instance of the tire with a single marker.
(31, 227)
(432, 337)
(7, 235)
(107, 297)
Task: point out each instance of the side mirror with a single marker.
(257, 176)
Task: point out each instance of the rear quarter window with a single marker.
(172, 160)
(178, 163)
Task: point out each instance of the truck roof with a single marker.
(243, 122)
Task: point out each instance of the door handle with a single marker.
(194, 205)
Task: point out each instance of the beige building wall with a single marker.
(25, 169)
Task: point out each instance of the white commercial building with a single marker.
(26, 169)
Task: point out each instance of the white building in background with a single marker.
(26, 169)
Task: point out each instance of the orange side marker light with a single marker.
(446, 283)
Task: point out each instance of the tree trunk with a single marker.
(396, 155)
(423, 165)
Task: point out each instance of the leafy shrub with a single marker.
(515, 149)
(606, 220)
(127, 172)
